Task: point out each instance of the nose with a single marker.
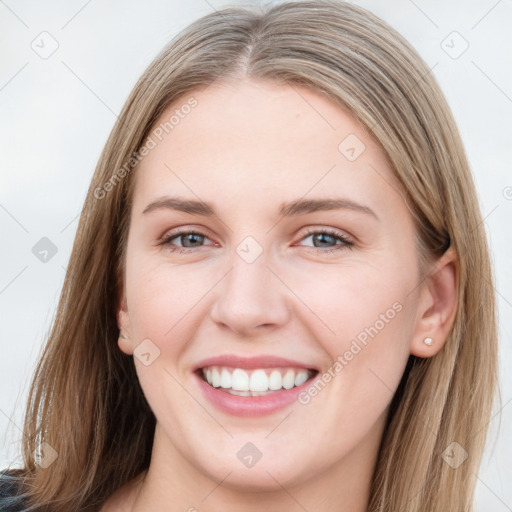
(250, 299)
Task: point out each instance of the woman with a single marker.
(209, 351)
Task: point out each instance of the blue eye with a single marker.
(189, 237)
(191, 240)
(326, 236)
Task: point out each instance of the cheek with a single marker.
(369, 352)
(363, 318)
(355, 301)
(162, 298)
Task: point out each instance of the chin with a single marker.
(263, 476)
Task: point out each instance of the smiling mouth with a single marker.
(257, 382)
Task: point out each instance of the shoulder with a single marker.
(11, 498)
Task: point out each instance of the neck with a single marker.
(174, 483)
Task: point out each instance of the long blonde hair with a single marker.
(85, 400)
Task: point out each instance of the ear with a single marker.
(123, 323)
(437, 306)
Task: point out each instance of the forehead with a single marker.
(259, 138)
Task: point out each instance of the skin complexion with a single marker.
(268, 277)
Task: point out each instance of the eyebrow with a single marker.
(297, 207)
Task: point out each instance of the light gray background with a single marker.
(56, 114)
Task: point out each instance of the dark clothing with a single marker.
(10, 498)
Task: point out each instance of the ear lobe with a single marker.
(437, 306)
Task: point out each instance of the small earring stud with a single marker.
(123, 336)
(428, 341)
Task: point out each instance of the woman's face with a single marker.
(302, 263)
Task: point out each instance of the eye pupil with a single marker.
(189, 236)
(321, 238)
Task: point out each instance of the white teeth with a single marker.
(248, 393)
(275, 380)
(256, 382)
(215, 378)
(289, 379)
(259, 381)
(239, 393)
(240, 380)
(225, 379)
(301, 377)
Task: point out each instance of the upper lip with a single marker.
(252, 363)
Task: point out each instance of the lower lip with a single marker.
(251, 405)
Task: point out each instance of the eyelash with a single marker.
(347, 244)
